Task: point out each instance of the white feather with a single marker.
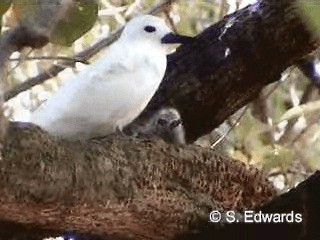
(111, 92)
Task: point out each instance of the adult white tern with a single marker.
(113, 91)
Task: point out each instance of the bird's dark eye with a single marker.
(175, 123)
(149, 29)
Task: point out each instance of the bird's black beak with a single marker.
(175, 38)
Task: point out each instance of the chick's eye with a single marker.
(162, 122)
(175, 123)
(149, 29)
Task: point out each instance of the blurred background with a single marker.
(272, 132)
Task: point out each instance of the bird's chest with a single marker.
(151, 66)
(121, 94)
(145, 72)
(141, 86)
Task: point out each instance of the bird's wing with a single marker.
(116, 60)
(80, 95)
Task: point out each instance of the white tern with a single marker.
(111, 92)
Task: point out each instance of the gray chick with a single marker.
(165, 124)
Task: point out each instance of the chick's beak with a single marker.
(175, 38)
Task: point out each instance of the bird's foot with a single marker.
(24, 124)
(119, 132)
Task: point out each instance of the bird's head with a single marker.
(147, 28)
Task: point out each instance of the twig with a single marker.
(82, 56)
(160, 6)
(289, 171)
(166, 11)
(223, 136)
(307, 67)
(51, 58)
(307, 96)
(239, 118)
(20, 61)
(55, 69)
(311, 121)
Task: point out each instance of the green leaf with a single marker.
(77, 23)
(311, 9)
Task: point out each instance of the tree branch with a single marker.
(303, 199)
(118, 185)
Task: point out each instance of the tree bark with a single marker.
(147, 189)
(303, 199)
(119, 185)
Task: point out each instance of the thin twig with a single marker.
(166, 11)
(83, 56)
(241, 115)
(289, 171)
(21, 59)
(236, 146)
(160, 6)
(287, 135)
(50, 58)
(307, 67)
(311, 121)
(223, 136)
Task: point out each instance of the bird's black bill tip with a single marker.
(172, 38)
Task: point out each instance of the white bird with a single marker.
(114, 90)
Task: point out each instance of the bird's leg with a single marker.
(25, 124)
(119, 131)
(122, 133)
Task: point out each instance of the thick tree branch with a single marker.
(119, 185)
(303, 199)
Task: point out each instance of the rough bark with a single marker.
(118, 185)
(148, 189)
(303, 199)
